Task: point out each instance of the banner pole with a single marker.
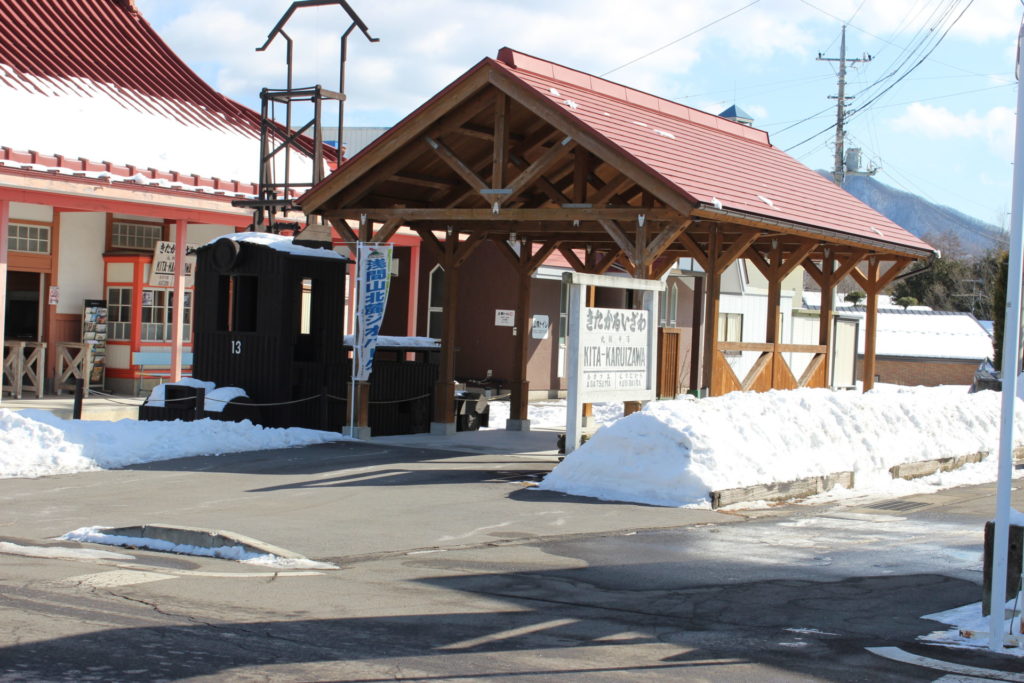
(357, 319)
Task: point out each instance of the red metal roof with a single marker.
(711, 160)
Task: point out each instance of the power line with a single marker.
(691, 33)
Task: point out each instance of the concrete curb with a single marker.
(202, 538)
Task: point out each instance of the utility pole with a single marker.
(839, 171)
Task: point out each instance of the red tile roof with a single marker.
(712, 161)
(48, 45)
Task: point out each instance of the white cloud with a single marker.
(995, 125)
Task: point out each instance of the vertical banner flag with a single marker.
(374, 279)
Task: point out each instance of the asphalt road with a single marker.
(450, 568)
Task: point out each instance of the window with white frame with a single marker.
(669, 308)
(435, 303)
(33, 239)
(119, 313)
(158, 318)
(127, 235)
(730, 327)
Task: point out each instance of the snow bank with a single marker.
(97, 534)
(675, 453)
(35, 443)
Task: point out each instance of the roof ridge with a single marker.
(543, 67)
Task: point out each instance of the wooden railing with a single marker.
(23, 367)
(770, 370)
(74, 361)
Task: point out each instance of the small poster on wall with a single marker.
(54, 296)
(540, 326)
(504, 317)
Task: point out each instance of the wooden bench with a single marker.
(146, 361)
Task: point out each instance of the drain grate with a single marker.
(898, 505)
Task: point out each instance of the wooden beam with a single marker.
(507, 251)
(458, 165)
(610, 189)
(552, 155)
(695, 252)
(389, 228)
(344, 231)
(572, 258)
(466, 247)
(665, 239)
(602, 265)
(755, 257)
(745, 239)
(433, 245)
(613, 229)
(501, 150)
(537, 260)
(797, 257)
(570, 213)
(420, 181)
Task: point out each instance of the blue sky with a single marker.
(944, 130)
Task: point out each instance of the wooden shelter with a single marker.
(540, 158)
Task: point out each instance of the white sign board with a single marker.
(539, 327)
(612, 351)
(504, 318)
(613, 343)
(161, 274)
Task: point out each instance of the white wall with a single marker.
(80, 265)
(31, 212)
(203, 234)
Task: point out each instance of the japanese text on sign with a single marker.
(374, 281)
(614, 349)
(162, 272)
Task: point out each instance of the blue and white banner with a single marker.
(373, 262)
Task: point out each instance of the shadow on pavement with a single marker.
(558, 623)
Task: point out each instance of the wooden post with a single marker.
(76, 410)
(772, 332)
(519, 418)
(696, 332)
(713, 285)
(588, 408)
(825, 312)
(200, 405)
(178, 308)
(444, 392)
(871, 325)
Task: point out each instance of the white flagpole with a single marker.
(1011, 353)
(357, 320)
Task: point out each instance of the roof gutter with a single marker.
(704, 210)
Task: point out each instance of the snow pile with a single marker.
(35, 443)
(675, 453)
(550, 414)
(214, 402)
(96, 534)
(971, 629)
(278, 243)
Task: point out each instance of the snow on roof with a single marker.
(710, 160)
(106, 87)
(917, 331)
(929, 334)
(277, 243)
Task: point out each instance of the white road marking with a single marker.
(118, 577)
(511, 633)
(950, 678)
(60, 553)
(898, 655)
